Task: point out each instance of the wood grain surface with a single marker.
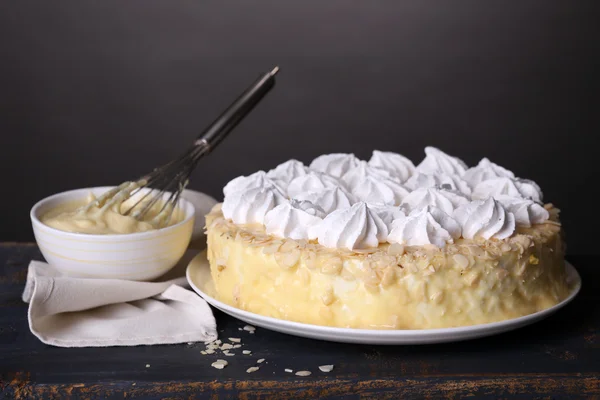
(556, 358)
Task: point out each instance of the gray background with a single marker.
(97, 92)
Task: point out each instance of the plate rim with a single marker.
(389, 334)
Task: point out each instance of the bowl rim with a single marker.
(38, 224)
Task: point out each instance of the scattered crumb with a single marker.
(190, 343)
(209, 351)
(303, 373)
(235, 339)
(260, 361)
(133, 384)
(228, 354)
(326, 368)
(219, 364)
(218, 341)
(252, 369)
(249, 328)
(289, 370)
(246, 352)
(237, 346)
(203, 352)
(147, 365)
(226, 346)
(240, 329)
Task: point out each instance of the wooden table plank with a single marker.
(557, 357)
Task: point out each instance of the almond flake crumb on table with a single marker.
(219, 364)
(260, 361)
(246, 352)
(326, 368)
(303, 373)
(252, 369)
(289, 370)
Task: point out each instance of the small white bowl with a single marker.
(135, 256)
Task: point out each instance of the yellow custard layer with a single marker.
(391, 286)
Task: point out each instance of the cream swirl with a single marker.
(295, 220)
(438, 161)
(396, 164)
(428, 225)
(485, 218)
(249, 206)
(357, 227)
(522, 188)
(527, 212)
(445, 200)
(312, 182)
(379, 190)
(336, 164)
(354, 176)
(486, 170)
(329, 199)
(287, 171)
(258, 179)
(450, 182)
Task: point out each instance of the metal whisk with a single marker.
(171, 179)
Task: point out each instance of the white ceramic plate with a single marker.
(198, 275)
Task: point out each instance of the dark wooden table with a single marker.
(558, 357)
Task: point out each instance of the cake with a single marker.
(385, 244)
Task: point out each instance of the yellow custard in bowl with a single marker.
(69, 217)
(106, 244)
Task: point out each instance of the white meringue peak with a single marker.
(438, 161)
(312, 182)
(397, 165)
(336, 164)
(379, 190)
(295, 220)
(354, 176)
(258, 179)
(357, 227)
(387, 213)
(527, 212)
(450, 182)
(429, 225)
(522, 188)
(287, 171)
(249, 206)
(329, 199)
(445, 200)
(485, 218)
(486, 170)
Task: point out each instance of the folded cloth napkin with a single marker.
(79, 312)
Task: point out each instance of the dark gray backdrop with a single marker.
(97, 92)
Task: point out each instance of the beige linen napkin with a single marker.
(79, 312)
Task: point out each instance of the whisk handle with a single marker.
(218, 130)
